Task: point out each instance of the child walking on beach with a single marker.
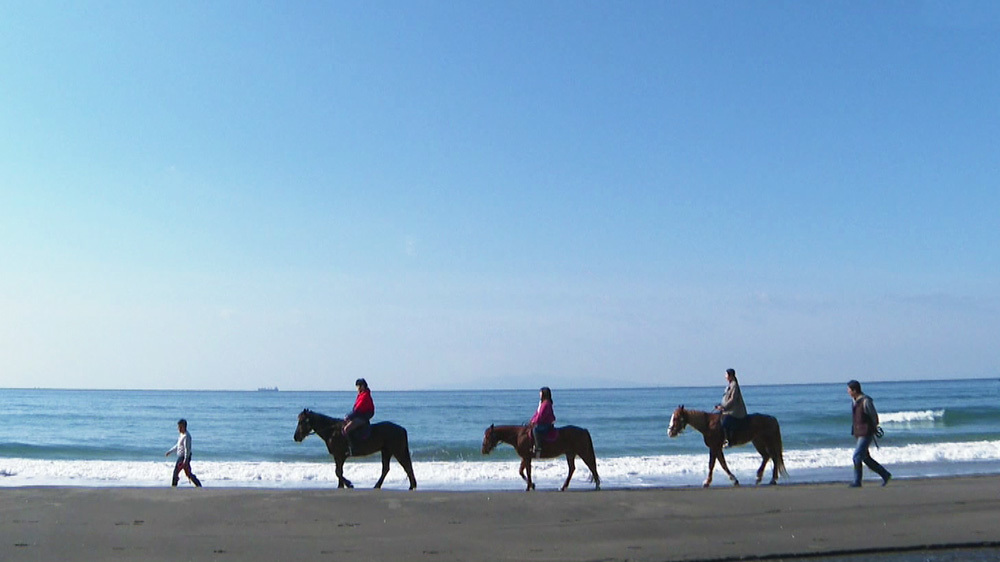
(183, 450)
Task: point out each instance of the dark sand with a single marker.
(664, 524)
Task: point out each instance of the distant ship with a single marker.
(268, 389)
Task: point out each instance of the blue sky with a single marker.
(227, 195)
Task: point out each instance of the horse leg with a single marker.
(763, 453)
(760, 471)
(341, 481)
(722, 463)
(385, 467)
(711, 468)
(571, 461)
(526, 470)
(403, 457)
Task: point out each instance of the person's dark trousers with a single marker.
(358, 427)
(538, 432)
(185, 465)
(727, 422)
(861, 456)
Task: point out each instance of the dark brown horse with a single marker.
(572, 441)
(386, 437)
(761, 429)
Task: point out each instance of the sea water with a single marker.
(244, 438)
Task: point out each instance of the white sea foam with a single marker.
(623, 472)
(904, 418)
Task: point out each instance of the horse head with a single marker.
(304, 428)
(678, 421)
(490, 440)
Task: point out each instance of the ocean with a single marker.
(244, 438)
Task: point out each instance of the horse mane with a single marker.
(509, 426)
(323, 417)
(693, 410)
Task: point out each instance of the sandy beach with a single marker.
(720, 523)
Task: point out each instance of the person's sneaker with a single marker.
(886, 479)
(725, 443)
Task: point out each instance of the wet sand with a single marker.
(721, 523)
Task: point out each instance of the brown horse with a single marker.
(761, 429)
(387, 437)
(572, 441)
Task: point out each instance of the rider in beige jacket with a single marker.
(732, 406)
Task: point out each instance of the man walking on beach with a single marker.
(183, 450)
(863, 427)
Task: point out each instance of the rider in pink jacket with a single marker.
(541, 422)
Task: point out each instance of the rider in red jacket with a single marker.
(363, 411)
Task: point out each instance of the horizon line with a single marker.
(490, 389)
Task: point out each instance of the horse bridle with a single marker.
(305, 418)
(675, 419)
(491, 438)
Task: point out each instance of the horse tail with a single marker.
(777, 456)
(594, 477)
(403, 449)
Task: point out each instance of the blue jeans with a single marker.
(861, 455)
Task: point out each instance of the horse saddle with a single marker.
(740, 423)
(361, 434)
(547, 437)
